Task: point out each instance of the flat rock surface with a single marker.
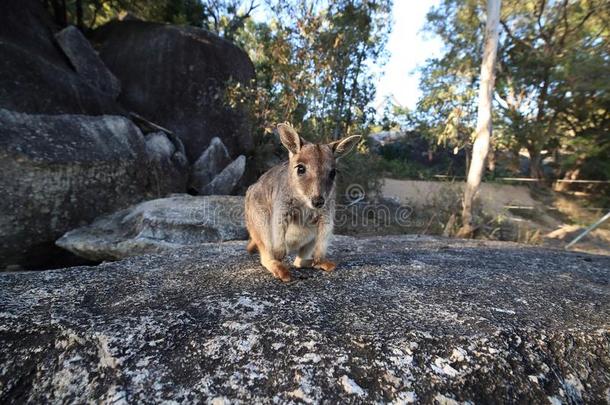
(159, 225)
(401, 319)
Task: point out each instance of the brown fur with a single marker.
(252, 248)
(291, 207)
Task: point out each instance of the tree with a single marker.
(312, 61)
(550, 96)
(484, 122)
(227, 17)
(548, 50)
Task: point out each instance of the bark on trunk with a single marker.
(535, 164)
(483, 130)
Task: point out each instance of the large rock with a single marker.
(227, 180)
(209, 165)
(86, 61)
(176, 76)
(60, 172)
(401, 319)
(35, 76)
(169, 168)
(159, 225)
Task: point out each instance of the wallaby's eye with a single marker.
(300, 170)
(332, 174)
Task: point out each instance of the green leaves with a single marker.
(312, 61)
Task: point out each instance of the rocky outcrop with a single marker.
(70, 156)
(60, 172)
(35, 76)
(158, 226)
(176, 77)
(86, 62)
(401, 319)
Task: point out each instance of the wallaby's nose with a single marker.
(317, 202)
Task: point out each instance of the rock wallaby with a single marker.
(290, 209)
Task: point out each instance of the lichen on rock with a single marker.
(402, 319)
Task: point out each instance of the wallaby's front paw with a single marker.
(282, 272)
(325, 265)
(300, 263)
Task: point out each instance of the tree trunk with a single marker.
(491, 158)
(483, 131)
(536, 171)
(57, 13)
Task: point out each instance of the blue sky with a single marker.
(409, 48)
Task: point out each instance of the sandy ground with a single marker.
(557, 222)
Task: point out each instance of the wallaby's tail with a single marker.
(251, 248)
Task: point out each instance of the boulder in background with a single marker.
(86, 62)
(176, 76)
(35, 76)
(60, 172)
(168, 163)
(227, 180)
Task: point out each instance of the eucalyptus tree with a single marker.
(484, 121)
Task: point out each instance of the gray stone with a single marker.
(168, 163)
(159, 146)
(159, 225)
(35, 76)
(210, 163)
(228, 179)
(401, 319)
(86, 62)
(176, 76)
(60, 172)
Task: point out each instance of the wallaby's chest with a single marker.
(301, 228)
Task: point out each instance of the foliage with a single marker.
(225, 17)
(552, 92)
(402, 169)
(412, 158)
(311, 60)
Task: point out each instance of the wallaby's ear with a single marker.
(343, 146)
(289, 137)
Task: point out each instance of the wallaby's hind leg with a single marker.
(304, 257)
(252, 247)
(276, 267)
